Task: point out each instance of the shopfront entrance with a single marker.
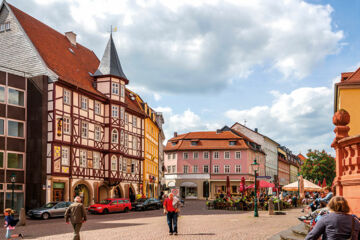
(83, 191)
(189, 190)
(58, 191)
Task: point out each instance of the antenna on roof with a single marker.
(245, 122)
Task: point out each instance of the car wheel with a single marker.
(45, 216)
(126, 209)
(105, 211)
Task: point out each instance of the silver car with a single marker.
(51, 209)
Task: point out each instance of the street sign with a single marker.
(266, 177)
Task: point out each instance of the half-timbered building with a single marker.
(90, 126)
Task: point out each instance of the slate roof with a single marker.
(72, 66)
(110, 63)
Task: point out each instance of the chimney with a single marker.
(175, 134)
(71, 36)
(218, 131)
(256, 130)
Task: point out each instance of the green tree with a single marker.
(319, 165)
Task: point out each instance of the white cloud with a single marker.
(184, 122)
(300, 119)
(197, 46)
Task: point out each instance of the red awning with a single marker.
(263, 184)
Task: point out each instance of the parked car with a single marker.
(51, 209)
(110, 205)
(147, 203)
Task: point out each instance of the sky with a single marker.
(205, 64)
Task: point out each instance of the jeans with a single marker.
(172, 221)
(76, 227)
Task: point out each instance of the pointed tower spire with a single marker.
(110, 63)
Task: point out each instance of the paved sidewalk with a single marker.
(196, 222)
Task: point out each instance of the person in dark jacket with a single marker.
(77, 215)
(10, 224)
(338, 224)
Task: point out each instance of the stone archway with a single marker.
(118, 192)
(104, 193)
(85, 191)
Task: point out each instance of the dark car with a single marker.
(51, 209)
(146, 204)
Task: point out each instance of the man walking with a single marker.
(77, 215)
(171, 209)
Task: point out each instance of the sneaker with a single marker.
(175, 233)
(170, 233)
(21, 235)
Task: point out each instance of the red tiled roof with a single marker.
(348, 78)
(53, 47)
(206, 140)
(132, 104)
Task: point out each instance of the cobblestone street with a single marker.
(196, 222)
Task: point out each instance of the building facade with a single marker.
(194, 158)
(85, 131)
(13, 120)
(268, 145)
(284, 167)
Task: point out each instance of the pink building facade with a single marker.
(195, 158)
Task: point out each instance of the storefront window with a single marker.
(191, 192)
(18, 200)
(15, 160)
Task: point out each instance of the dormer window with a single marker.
(232, 143)
(5, 27)
(173, 143)
(193, 143)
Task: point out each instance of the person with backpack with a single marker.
(10, 224)
(77, 215)
(171, 209)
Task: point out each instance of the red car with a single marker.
(111, 205)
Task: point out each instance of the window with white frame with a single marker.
(15, 160)
(2, 94)
(67, 97)
(115, 88)
(206, 155)
(185, 155)
(122, 90)
(126, 118)
(5, 27)
(134, 121)
(84, 103)
(238, 168)
(97, 133)
(238, 155)
(16, 97)
(226, 169)
(15, 129)
(169, 169)
(65, 156)
(196, 155)
(84, 129)
(122, 137)
(174, 155)
(122, 112)
(173, 168)
(126, 140)
(66, 125)
(186, 168)
(120, 163)
(113, 163)
(206, 169)
(195, 169)
(169, 155)
(115, 111)
(124, 165)
(227, 155)
(216, 169)
(114, 136)
(135, 142)
(216, 155)
(96, 160)
(2, 130)
(83, 158)
(97, 108)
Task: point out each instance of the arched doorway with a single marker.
(83, 191)
(118, 193)
(103, 193)
(131, 194)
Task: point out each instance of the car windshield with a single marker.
(141, 200)
(49, 205)
(105, 202)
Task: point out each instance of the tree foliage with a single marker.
(319, 165)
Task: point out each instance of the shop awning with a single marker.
(188, 184)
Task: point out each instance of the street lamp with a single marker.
(255, 167)
(12, 180)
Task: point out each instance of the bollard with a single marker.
(22, 217)
(271, 206)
